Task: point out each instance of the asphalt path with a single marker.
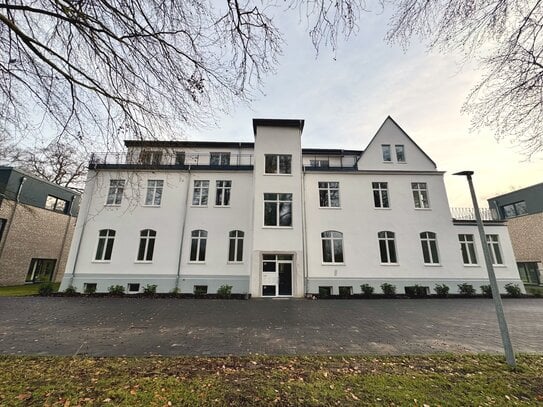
(142, 327)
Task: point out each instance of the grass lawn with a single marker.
(23, 290)
(444, 380)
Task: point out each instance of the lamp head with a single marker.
(466, 173)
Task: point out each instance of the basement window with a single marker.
(133, 288)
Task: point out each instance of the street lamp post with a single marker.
(508, 347)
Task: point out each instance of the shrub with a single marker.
(367, 290)
(388, 289)
(466, 289)
(70, 290)
(224, 291)
(149, 289)
(486, 290)
(442, 290)
(513, 290)
(116, 289)
(46, 289)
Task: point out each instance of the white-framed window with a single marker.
(222, 196)
(56, 204)
(420, 195)
(115, 193)
(133, 288)
(278, 163)
(153, 197)
(400, 153)
(219, 159)
(494, 248)
(147, 245)
(385, 149)
(332, 246)
(235, 246)
(329, 194)
(380, 194)
(277, 209)
(106, 238)
(467, 247)
(198, 246)
(151, 157)
(387, 247)
(428, 242)
(200, 193)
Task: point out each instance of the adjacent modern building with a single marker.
(271, 218)
(37, 221)
(523, 211)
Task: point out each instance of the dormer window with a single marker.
(387, 157)
(400, 153)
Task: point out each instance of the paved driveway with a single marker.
(130, 326)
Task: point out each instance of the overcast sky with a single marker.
(345, 99)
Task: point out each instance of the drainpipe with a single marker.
(187, 190)
(304, 234)
(12, 216)
(85, 211)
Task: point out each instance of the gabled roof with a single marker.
(405, 134)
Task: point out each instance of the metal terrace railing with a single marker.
(323, 162)
(179, 159)
(469, 213)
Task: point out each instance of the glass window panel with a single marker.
(338, 250)
(498, 254)
(180, 158)
(326, 250)
(520, 208)
(193, 249)
(323, 198)
(285, 197)
(202, 254)
(392, 251)
(384, 197)
(141, 249)
(100, 249)
(268, 266)
(227, 196)
(205, 192)
(285, 214)
(400, 153)
(231, 250)
(109, 249)
(386, 152)
(284, 257)
(150, 249)
(376, 199)
(270, 214)
(425, 252)
(271, 164)
(285, 164)
(218, 196)
(334, 198)
(433, 248)
(239, 254)
(383, 251)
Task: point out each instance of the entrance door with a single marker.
(276, 275)
(41, 270)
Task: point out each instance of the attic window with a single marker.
(400, 153)
(387, 157)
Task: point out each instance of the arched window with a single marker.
(198, 246)
(428, 242)
(106, 237)
(387, 247)
(332, 246)
(235, 246)
(147, 245)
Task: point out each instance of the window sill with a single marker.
(221, 206)
(197, 262)
(332, 264)
(277, 174)
(143, 261)
(112, 205)
(382, 209)
(329, 207)
(499, 266)
(234, 262)
(388, 162)
(432, 265)
(198, 206)
(277, 227)
(472, 265)
(151, 206)
(423, 209)
(101, 261)
(390, 264)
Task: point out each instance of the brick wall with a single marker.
(527, 237)
(35, 233)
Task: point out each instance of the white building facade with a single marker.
(271, 218)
